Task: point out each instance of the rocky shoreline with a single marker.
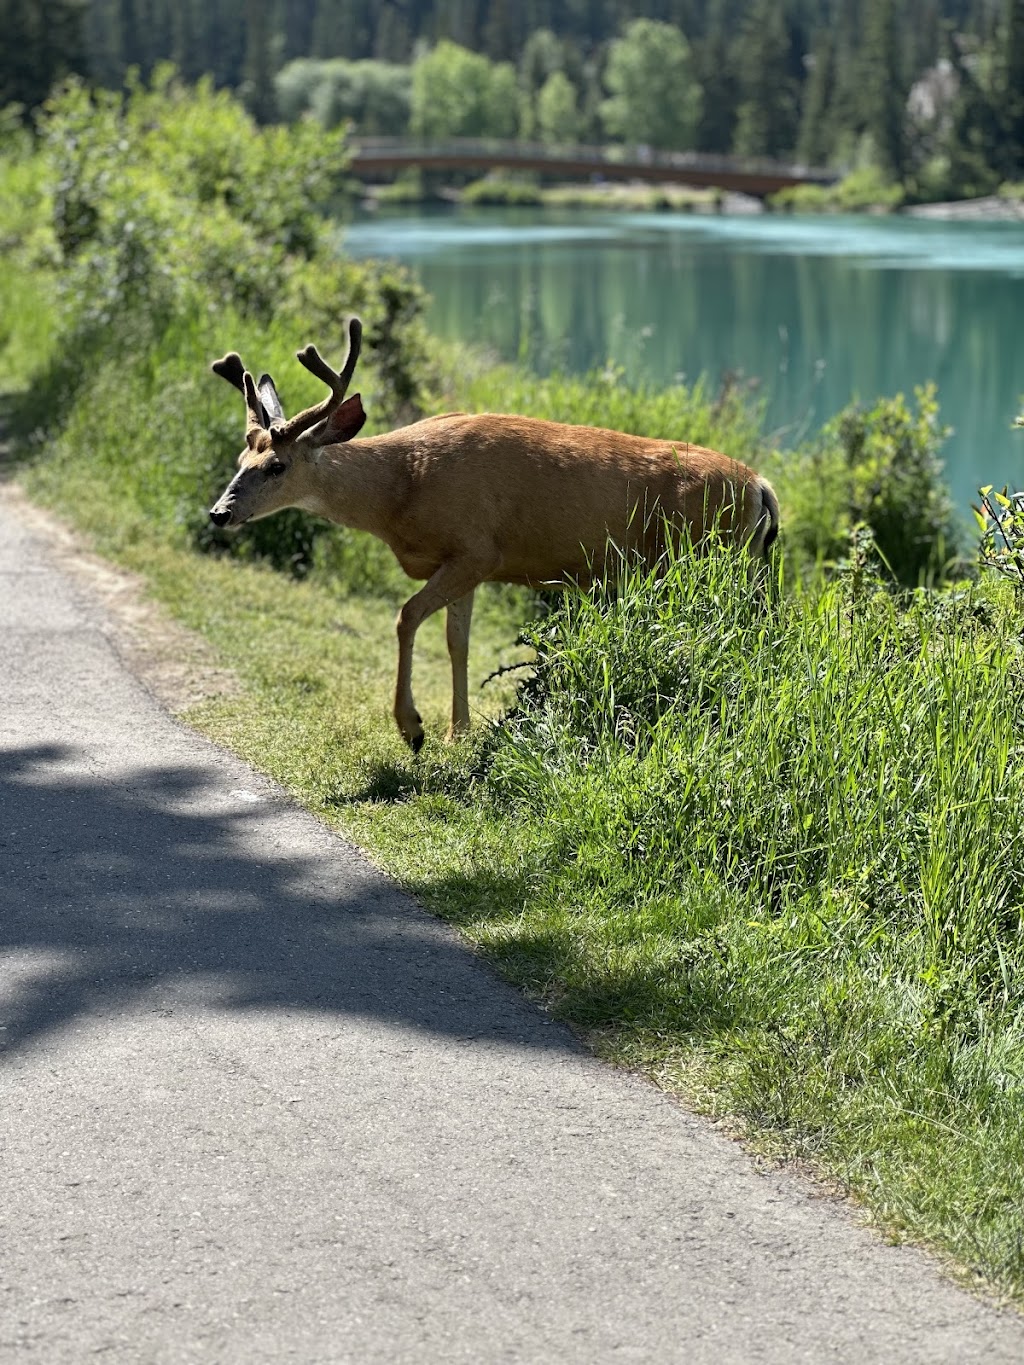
(992, 209)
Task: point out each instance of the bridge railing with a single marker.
(409, 149)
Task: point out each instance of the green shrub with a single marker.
(802, 199)
(866, 188)
(1000, 519)
(863, 189)
(495, 190)
(178, 230)
(878, 466)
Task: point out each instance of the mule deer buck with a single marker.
(467, 499)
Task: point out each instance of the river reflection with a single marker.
(817, 309)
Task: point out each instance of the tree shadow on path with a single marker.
(114, 889)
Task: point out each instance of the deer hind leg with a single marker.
(460, 616)
(453, 580)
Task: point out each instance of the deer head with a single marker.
(278, 451)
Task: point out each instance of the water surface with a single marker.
(817, 309)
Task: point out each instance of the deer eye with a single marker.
(274, 468)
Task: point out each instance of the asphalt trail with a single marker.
(256, 1105)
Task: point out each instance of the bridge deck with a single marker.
(381, 158)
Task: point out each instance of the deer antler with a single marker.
(255, 418)
(230, 367)
(337, 383)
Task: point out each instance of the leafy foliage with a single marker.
(880, 467)
(458, 93)
(374, 96)
(1000, 518)
(655, 99)
(169, 249)
(558, 118)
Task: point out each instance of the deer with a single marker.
(463, 499)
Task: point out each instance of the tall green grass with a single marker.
(779, 844)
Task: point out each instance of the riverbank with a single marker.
(858, 193)
(992, 208)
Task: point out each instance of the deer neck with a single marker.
(354, 484)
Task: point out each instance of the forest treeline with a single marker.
(931, 92)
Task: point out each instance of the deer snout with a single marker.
(220, 516)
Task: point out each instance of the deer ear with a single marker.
(269, 399)
(345, 421)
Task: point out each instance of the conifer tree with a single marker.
(974, 137)
(816, 138)
(767, 118)
(42, 41)
(718, 81)
(885, 88)
(1012, 158)
(258, 88)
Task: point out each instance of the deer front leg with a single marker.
(452, 581)
(460, 616)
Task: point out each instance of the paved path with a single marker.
(255, 1105)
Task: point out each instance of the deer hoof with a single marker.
(416, 742)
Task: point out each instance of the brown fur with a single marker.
(466, 499)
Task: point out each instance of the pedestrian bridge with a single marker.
(382, 158)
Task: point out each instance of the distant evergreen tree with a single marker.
(131, 53)
(846, 103)
(814, 146)
(499, 30)
(258, 87)
(767, 118)
(296, 22)
(341, 28)
(717, 77)
(185, 51)
(884, 89)
(42, 41)
(974, 137)
(393, 40)
(1011, 158)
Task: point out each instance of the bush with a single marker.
(802, 199)
(178, 230)
(501, 190)
(867, 188)
(877, 466)
(863, 189)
